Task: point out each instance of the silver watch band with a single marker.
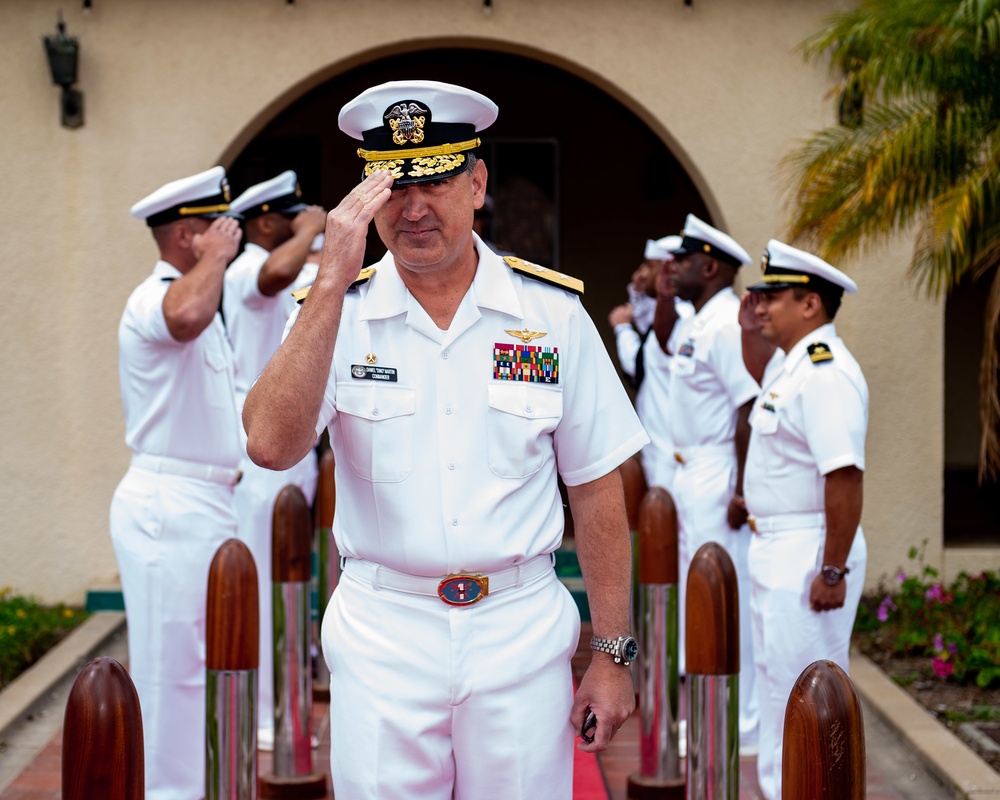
(609, 646)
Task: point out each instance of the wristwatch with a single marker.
(832, 575)
(625, 649)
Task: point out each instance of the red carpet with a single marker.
(588, 782)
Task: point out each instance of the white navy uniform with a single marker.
(255, 323)
(652, 401)
(448, 444)
(169, 515)
(809, 420)
(709, 382)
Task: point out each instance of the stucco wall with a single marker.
(173, 88)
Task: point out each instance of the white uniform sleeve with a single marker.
(726, 354)
(144, 314)
(599, 429)
(834, 419)
(628, 342)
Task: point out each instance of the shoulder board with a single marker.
(526, 268)
(363, 277)
(819, 352)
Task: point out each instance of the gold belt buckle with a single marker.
(752, 522)
(678, 458)
(463, 589)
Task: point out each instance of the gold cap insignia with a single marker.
(371, 358)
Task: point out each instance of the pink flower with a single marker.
(941, 667)
(884, 608)
(938, 643)
(952, 648)
(901, 576)
(934, 592)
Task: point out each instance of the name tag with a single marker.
(363, 372)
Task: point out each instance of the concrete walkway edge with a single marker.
(69, 656)
(946, 756)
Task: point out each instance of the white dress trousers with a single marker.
(436, 702)
(165, 530)
(788, 635)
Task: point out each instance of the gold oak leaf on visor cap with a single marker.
(418, 130)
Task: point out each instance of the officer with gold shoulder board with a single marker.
(455, 385)
(803, 485)
(174, 507)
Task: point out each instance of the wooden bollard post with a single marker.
(823, 746)
(712, 643)
(102, 736)
(291, 568)
(232, 658)
(659, 773)
(327, 565)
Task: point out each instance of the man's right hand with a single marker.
(620, 315)
(749, 321)
(221, 239)
(347, 231)
(311, 220)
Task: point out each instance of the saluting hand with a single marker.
(749, 321)
(620, 315)
(312, 220)
(221, 239)
(347, 230)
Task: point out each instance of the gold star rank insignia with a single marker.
(526, 335)
(371, 358)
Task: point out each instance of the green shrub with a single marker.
(28, 630)
(955, 627)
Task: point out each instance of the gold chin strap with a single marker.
(419, 152)
(785, 278)
(187, 211)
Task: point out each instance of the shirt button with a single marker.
(527, 409)
(447, 409)
(451, 465)
(454, 521)
(375, 411)
(444, 354)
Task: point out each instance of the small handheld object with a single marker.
(588, 727)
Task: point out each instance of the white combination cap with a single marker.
(785, 266)
(203, 195)
(417, 130)
(700, 237)
(280, 195)
(662, 249)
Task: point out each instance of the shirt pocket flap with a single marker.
(376, 402)
(522, 400)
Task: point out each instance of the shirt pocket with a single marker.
(520, 423)
(377, 426)
(764, 422)
(218, 391)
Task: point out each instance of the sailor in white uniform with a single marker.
(803, 485)
(456, 386)
(174, 507)
(710, 397)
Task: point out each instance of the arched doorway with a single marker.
(580, 181)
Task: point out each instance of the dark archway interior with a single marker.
(580, 181)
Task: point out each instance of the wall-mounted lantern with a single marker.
(64, 52)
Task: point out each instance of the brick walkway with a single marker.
(41, 780)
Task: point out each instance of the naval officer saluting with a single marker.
(456, 386)
(174, 507)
